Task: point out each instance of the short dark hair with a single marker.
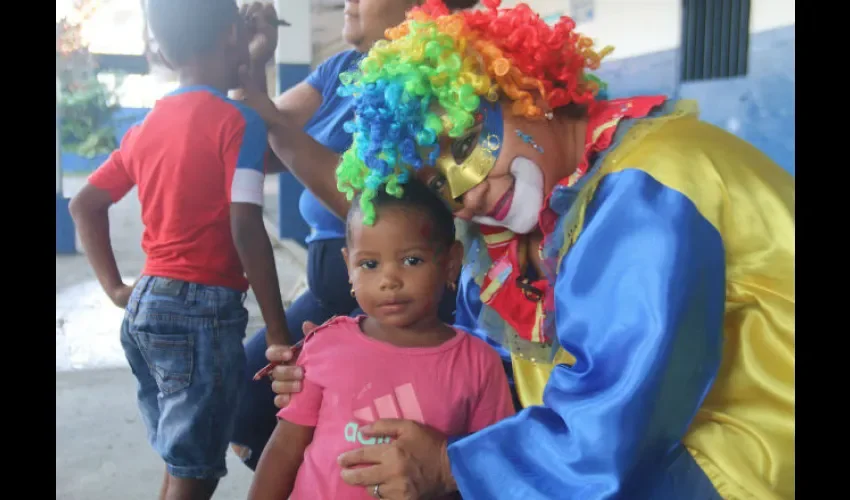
(187, 29)
(416, 195)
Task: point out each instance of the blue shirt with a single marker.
(326, 127)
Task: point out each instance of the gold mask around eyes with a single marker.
(471, 172)
(458, 177)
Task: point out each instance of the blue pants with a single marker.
(329, 294)
(184, 344)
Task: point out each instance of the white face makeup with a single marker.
(526, 200)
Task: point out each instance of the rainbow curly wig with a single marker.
(453, 60)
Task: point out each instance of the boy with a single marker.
(198, 162)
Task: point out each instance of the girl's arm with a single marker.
(284, 452)
(279, 463)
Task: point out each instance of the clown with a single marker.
(633, 265)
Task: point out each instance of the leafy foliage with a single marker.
(87, 105)
(88, 127)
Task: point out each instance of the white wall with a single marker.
(116, 26)
(294, 43)
(771, 14)
(633, 27)
(636, 27)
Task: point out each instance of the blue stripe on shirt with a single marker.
(252, 151)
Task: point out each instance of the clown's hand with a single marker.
(413, 465)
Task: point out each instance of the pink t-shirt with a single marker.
(350, 380)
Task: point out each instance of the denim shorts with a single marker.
(184, 344)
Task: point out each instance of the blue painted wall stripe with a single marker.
(290, 75)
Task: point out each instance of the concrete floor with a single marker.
(101, 449)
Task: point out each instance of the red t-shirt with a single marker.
(195, 153)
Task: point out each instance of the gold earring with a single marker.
(452, 286)
(352, 291)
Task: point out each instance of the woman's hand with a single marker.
(414, 465)
(252, 76)
(262, 33)
(286, 378)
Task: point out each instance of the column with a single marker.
(293, 58)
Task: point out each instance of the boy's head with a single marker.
(400, 266)
(197, 33)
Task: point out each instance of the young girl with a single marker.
(397, 361)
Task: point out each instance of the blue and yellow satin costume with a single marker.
(674, 316)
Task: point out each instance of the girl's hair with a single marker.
(416, 195)
(453, 59)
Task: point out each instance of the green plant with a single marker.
(88, 111)
(87, 106)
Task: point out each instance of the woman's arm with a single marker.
(279, 463)
(298, 104)
(311, 163)
(294, 150)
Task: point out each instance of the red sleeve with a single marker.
(113, 177)
(494, 401)
(303, 408)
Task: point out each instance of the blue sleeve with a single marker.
(318, 78)
(324, 77)
(245, 157)
(254, 145)
(640, 303)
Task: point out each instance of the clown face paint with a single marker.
(519, 207)
(469, 158)
(468, 161)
